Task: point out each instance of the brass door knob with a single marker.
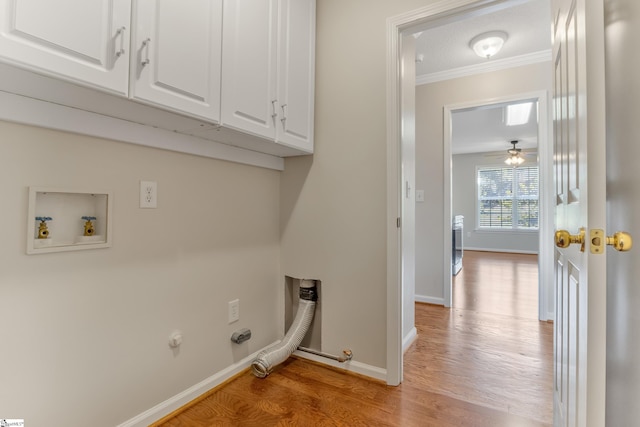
(563, 238)
(621, 241)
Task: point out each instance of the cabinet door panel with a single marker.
(78, 40)
(296, 73)
(177, 55)
(249, 66)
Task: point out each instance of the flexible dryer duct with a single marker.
(272, 356)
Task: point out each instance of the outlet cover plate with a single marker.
(148, 194)
(234, 310)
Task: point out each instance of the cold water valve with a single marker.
(89, 229)
(43, 230)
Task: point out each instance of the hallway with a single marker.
(489, 349)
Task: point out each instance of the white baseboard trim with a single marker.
(409, 339)
(351, 365)
(508, 251)
(429, 300)
(179, 400)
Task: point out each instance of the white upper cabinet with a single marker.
(78, 40)
(268, 60)
(296, 73)
(176, 51)
(249, 66)
(238, 72)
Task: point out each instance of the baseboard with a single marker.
(429, 300)
(409, 339)
(506, 251)
(351, 365)
(192, 393)
(181, 399)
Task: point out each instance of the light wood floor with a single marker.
(485, 362)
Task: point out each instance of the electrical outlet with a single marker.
(148, 194)
(234, 310)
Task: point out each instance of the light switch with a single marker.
(419, 195)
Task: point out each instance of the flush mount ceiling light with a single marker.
(515, 155)
(486, 45)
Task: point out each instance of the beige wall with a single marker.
(430, 101)
(84, 334)
(91, 327)
(334, 205)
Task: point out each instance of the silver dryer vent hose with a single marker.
(272, 356)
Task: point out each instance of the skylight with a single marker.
(518, 114)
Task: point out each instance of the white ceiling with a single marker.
(484, 129)
(447, 55)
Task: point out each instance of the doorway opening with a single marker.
(497, 205)
(435, 15)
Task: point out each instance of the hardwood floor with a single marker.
(491, 339)
(485, 362)
(498, 283)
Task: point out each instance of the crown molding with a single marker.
(485, 67)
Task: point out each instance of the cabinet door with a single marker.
(176, 55)
(296, 66)
(249, 66)
(82, 41)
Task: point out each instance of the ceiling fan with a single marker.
(515, 156)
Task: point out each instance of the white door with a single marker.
(86, 42)
(579, 144)
(249, 43)
(176, 53)
(296, 67)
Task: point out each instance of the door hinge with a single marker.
(398, 222)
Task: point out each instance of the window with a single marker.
(508, 198)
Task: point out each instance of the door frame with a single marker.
(441, 11)
(545, 165)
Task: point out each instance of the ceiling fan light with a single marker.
(514, 160)
(486, 45)
(515, 156)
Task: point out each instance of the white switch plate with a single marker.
(148, 194)
(234, 310)
(419, 195)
